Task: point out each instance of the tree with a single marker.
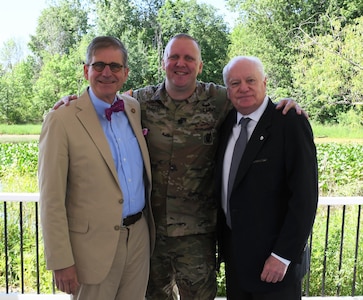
(16, 93)
(11, 53)
(135, 23)
(115, 17)
(329, 72)
(60, 28)
(60, 75)
(271, 29)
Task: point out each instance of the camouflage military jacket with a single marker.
(182, 140)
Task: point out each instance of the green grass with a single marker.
(337, 131)
(332, 131)
(26, 129)
(322, 133)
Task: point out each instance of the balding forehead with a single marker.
(183, 47)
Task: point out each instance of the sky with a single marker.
(18, 18)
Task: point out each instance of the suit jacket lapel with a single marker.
(256, 141)
(88, 117)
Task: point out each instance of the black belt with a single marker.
(132, 219)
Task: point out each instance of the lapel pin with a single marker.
(262, 138)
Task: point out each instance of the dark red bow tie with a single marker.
(116, 107)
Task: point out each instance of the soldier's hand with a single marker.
(287, 103)
(64, 100)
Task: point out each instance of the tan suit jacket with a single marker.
(80, 195)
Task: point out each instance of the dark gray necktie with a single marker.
(239, 148)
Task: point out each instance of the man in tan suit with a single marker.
(95, 184)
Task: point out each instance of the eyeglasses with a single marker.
(100, 66)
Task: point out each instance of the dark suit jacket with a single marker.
(274, 197)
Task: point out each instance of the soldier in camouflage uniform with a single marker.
(183, 117)
(182, 141)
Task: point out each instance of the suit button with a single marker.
(117, 227)
(121, 201)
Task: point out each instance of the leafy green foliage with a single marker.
(10, 54)
(334, 59)
(16, 93)
(60, 75)
(311, 50)
(60, 28)
(18, 159)
(340, 169)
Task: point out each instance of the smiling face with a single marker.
(246, 85)
(106, 84)
(182, 63)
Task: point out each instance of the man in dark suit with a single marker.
(268, 209)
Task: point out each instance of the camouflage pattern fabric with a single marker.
(182, 140)
(187, 261)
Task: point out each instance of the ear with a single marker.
(200, 68)
(85, 71)
(126, 72)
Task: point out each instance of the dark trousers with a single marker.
(233, 286)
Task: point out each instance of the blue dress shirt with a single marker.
(126, 154)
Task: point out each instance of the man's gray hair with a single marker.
(102, 42)
(235, 59)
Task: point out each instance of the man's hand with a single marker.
(64, 100)
(66, 280)
(287, 104)
(67, 99)
(274, 270)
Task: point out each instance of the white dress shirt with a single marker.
(255, 117)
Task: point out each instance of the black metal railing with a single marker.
(22, 266)
(336, 257)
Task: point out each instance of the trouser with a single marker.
(188, 262)
(291, 292)
(129, 272)
(233, 284)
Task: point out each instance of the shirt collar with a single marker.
(99, 104)
(256, 115)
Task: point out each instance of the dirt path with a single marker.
(8, 138)
(321, 140)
